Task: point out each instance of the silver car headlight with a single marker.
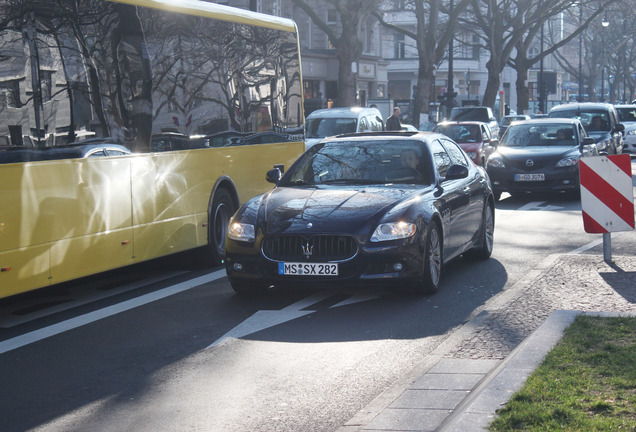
(241, 232)
(496, 162)
(603, 144)
(568, 162)
(631, 132)
(393, 231)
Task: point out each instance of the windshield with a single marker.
(522, 135)
(460, 133)
(507, 120)
(362, 162)
(470, 114)
(593, 120)
(627, 114)
(325, 127)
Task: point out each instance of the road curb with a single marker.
(478, 409)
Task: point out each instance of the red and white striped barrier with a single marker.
(607, 195)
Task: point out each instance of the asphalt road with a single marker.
(169, 347)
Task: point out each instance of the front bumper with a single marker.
(556, 180)
(375, 263)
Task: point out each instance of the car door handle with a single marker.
(466, 190)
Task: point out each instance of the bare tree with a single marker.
(503, 27)
(352, 14)
(431, 37)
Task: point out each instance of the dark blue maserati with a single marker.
(376, 208)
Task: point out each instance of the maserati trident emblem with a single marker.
(308, 249)
(529, 162)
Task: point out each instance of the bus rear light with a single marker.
(125, 242)
(5, 269)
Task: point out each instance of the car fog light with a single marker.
(566, 181)
(238, 266)
(398, 267)
(495, 182)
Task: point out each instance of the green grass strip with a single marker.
(586, 383)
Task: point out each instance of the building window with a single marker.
(399, 51)
(312, 88)
(12, 90)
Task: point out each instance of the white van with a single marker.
(336, 121)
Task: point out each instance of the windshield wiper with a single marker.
(353, 181)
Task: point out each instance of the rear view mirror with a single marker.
(456, 172)
(273, 175)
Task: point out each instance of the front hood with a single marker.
(328, 209)
(600, 136)
(536, 152)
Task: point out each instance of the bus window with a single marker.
(207, 100)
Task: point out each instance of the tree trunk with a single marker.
(523, 93)
(425, 80)
(492, 85)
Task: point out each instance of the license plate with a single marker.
(307, 269)
(530, 177)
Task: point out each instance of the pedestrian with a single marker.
(393, 122)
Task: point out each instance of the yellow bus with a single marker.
(207, 98)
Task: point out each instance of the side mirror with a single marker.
(588, 141)
(273, 175)
(620, 128)
(456, 172)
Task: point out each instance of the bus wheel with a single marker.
(220, 213)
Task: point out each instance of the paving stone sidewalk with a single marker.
(475, 356)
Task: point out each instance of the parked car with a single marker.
(506, 120)
(540, 156)
(373, 208)
(427, 126)
(328, 122)
(627, 117)
(600, 121)
(477, 113)
(408, 128)
(473, 137)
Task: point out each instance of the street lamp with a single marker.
(605, 23)
(580, 98)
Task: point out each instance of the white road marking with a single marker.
(78, 296)
(269, 318)
(97, 315)
(592, 244)
(536, 205)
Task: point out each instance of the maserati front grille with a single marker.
(318, 248)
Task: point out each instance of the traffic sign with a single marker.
(607, 196)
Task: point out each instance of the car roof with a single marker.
(549, 120)
(625, 106)
(582, 105)
(463, 122)
(384, 135)
(350, 112)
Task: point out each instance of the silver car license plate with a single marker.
(307, 269)
(530, 177)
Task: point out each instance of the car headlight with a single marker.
(496, 162)
(631, 132)
(568, 161)
(241, 232)
(393, 231)
(603, 144)
(472, 155)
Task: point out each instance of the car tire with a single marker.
(221, 211)
(432, 263)
(484, 249)
(248, 288)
